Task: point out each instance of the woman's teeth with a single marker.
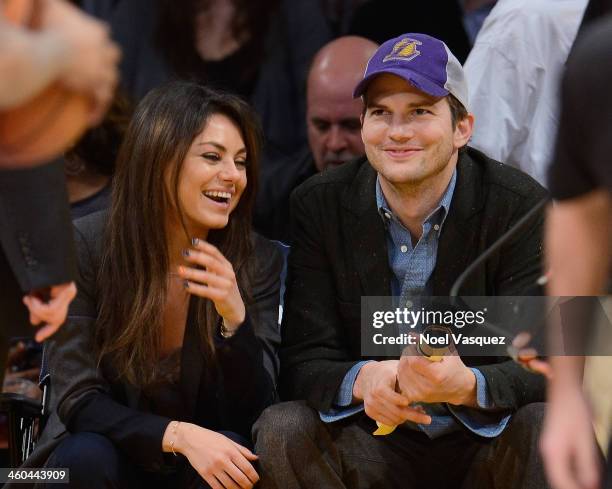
(218, 196)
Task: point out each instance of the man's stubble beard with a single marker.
(432, 164)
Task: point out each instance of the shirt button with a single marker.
(404, 248)
(387, 215)
(436, 227)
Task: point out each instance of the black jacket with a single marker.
(36, 248)
(87, 398)
(277, 181)
(339, 254)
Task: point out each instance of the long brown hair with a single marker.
(134, 270)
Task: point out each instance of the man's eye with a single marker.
(352, 125)
(211, 156)
(321, 126)
(421, 111)
(378, 112)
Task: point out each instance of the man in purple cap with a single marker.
(404, 222)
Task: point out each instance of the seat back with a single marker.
(284, 249)
(26, 417)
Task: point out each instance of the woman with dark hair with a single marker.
(168, 355)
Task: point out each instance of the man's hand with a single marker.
(91, 64)
(375, 386)
(567, 444)
(449, 380)
(52, 313)
(527, 356)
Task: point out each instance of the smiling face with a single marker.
(408, 135)
(213, 176)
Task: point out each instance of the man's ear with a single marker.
(463, 131)
(361, 117)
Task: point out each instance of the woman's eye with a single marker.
(241, 163)
(211, 156)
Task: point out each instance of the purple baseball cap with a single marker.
(423, 61)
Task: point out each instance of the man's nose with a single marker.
(336, 142)
(401, 129)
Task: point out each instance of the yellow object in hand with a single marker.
(384, 429)
(433, 355)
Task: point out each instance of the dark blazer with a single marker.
(277, 181)
(87, 398)
(36, 248)
(339, 254)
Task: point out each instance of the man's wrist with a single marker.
(358, 385)
(467, 395)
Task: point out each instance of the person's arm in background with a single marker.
(75, 50)
(69, 47)
(577, 247)
(50, 311)
(29, 61)
(577, 244)
(36, 239)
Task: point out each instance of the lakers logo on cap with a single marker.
(404, 50)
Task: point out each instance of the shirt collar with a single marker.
(439, 212)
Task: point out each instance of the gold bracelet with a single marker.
(174, 428)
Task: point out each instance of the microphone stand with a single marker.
(502, 240)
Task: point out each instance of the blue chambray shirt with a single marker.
(412, 267)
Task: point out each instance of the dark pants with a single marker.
(297, 450)
(95, 463)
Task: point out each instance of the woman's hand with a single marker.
(221, 462)
(216, 282)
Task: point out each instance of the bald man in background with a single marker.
(332, 115)
(334, 130)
